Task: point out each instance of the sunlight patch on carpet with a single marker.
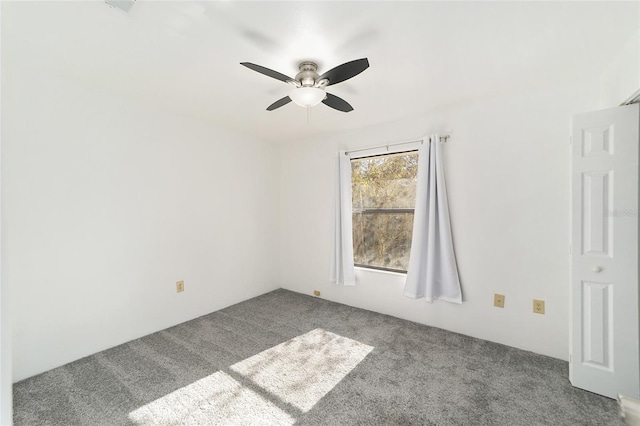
(215, 399)
(301, 371)
(271, 387)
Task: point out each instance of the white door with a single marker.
(604, 267)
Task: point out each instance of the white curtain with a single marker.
(433, 273)
(342, 269)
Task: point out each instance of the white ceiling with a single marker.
(424, 56)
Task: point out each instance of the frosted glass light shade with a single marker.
(307, 96)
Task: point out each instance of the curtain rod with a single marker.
(445, 137)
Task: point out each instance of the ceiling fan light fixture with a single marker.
(307, 96)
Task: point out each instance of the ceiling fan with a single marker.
(309, 87)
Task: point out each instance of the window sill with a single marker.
(380, 271)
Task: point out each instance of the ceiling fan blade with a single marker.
(345, 71)
(337, 103)
(266, 71)
(279, 103)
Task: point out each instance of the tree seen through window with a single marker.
(383, 197)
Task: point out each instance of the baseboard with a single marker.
(630, 410)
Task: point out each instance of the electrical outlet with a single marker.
(179, 286)
(498, 300)
(538, 306)
(316, 292)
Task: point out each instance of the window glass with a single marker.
(383, 191)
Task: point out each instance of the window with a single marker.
(383, 197)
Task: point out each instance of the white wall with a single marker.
(507, 166)
(621, 78)
(6, 402)
(109, 202)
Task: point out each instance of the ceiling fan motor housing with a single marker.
(307, 75)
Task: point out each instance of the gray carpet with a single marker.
(285, 358)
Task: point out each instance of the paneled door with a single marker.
(605, 347)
